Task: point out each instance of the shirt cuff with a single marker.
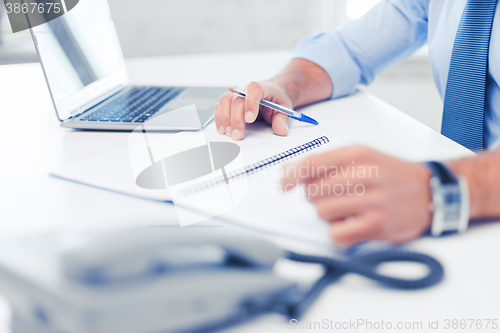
(328, 51)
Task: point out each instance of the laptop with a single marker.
(85, 71)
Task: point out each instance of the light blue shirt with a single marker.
(390, 32)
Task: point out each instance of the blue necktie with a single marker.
(464, 101)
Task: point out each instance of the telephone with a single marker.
(146, 280)
(147, 253)
(170, 280)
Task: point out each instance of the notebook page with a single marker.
(267, 209)
(111, 171)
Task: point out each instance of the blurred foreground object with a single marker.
(167, 280)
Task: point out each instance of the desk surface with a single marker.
(31, 142)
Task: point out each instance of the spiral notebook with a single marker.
(280, 158)
(113, 171)
(264, 208)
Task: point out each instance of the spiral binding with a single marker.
(253, 168)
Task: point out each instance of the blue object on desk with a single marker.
(365, 265)
(172, 280)
(91, 266)
(290, 113)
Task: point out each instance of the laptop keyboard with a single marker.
(136, 105)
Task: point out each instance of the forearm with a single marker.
(305, 82)
(483, 176)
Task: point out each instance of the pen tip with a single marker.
(231, 90)
(309, 120)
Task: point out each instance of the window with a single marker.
(357, 8)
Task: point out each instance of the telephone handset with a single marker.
(149, 252)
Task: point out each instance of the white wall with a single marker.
(166, 27)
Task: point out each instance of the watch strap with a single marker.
(442, 172)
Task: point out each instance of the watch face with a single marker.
(451, 206)
(451, 202)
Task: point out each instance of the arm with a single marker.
(392, 202)
(357, 52)
(483, 176)
(330, 65)
(304, 82)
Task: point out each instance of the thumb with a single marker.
(280, 123)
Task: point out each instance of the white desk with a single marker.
(31, 141)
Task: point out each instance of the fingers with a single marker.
(232, 113)
(237, 120)
(344, 162)
(253, 96)
(342, 157)
(280, 123)
(225, 113)
(357, 230)
(335, 208)
(327, 187)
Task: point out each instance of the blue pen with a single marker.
(290, 113)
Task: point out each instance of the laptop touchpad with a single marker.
(201, 103)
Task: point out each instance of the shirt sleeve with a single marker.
(357, 52)
(494, 146)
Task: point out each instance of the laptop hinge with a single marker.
(95, 101)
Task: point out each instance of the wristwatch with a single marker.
(450, 198)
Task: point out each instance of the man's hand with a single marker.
(232, 111)
(300, 83)
(365, 194)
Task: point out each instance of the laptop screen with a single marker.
(80, 55)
